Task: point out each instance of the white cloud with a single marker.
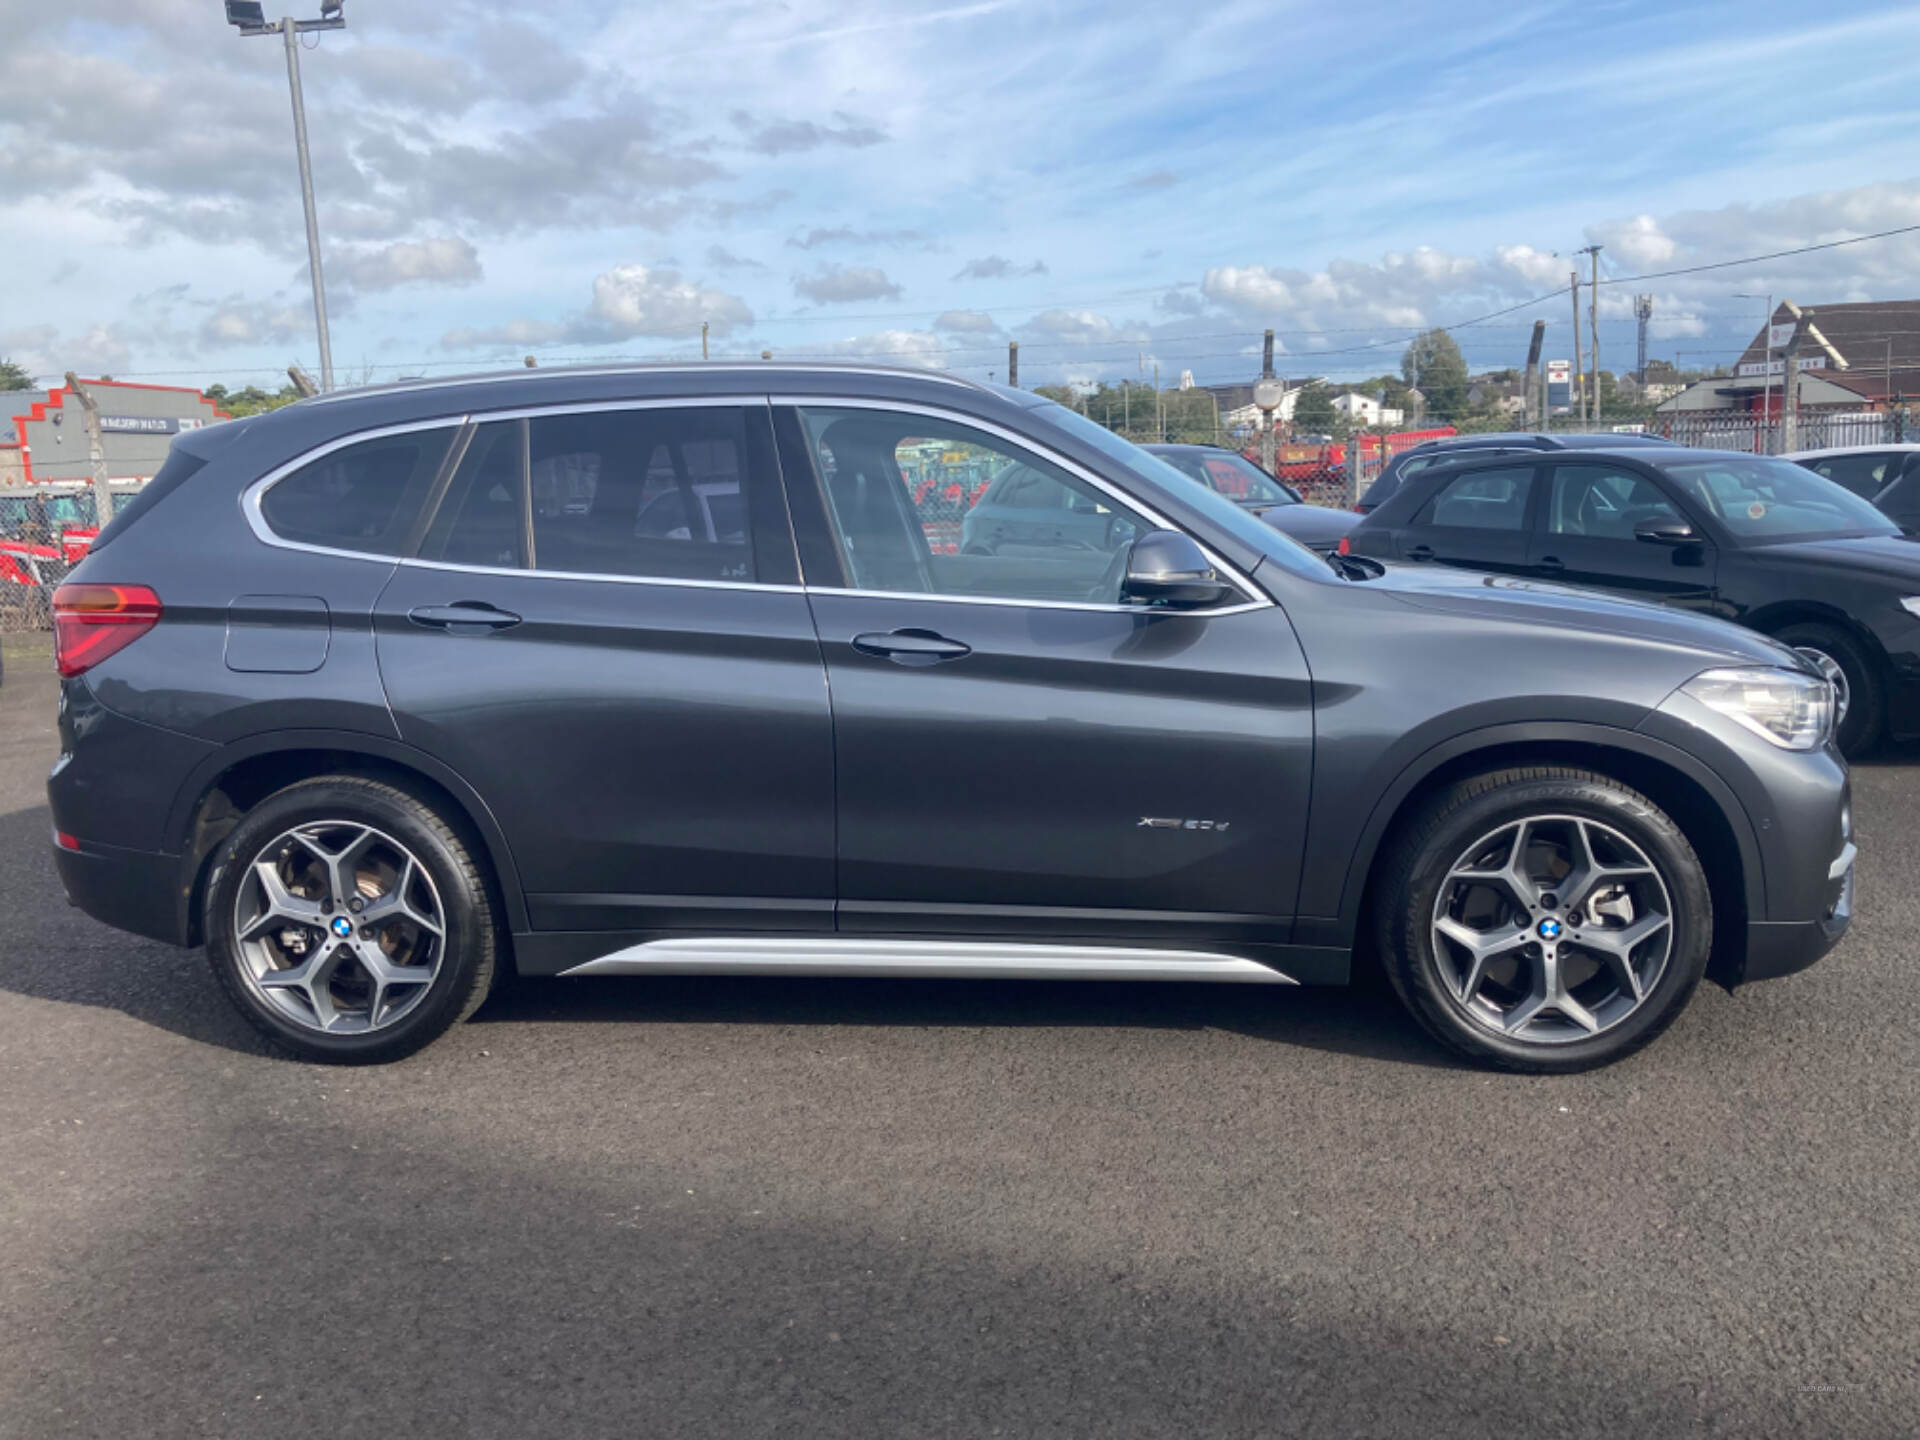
(47, 353)
(1638, 242)
(997, 267)
(843, 284)
(632, 300)
(436, 260)
(967, 322)
(899, 347)
(629, 302)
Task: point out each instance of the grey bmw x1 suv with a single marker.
(651, 671)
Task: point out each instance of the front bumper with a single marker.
(1783, 947)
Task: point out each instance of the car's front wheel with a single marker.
(1545, 919)
(349, 922)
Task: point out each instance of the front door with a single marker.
(1586, 537)
(1019, 753)
(603, 632)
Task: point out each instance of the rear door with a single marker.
(603, 632)
(1476, 519)
(1019, 753)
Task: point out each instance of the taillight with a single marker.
(91, 622)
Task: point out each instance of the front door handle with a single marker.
(464, 617)
(1419, 552)
(911, 647)
(1551, 564)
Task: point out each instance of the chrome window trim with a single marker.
(524, 574)
(1257, 598)
(254, 494)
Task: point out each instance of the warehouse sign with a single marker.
(147, 424)
(1779, 367)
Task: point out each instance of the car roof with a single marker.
(764, 373)
(1834, 450)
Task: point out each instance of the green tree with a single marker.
(250, 401)
(1313, 412)
(1433, 365)
(14, 377)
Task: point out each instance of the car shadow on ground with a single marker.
(50, 951)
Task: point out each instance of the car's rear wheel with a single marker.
(1543, 919)
(1859, 704)
(349, 922)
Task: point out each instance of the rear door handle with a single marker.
(1419, 552)
(464, 617)
(911, 647)
(1552, 564)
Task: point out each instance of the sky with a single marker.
(1112, 185)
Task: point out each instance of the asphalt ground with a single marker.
(739, 1208)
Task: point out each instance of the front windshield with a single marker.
(1762, 500)
(1235, 520)
(1231, 474)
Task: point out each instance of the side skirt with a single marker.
(944, 959)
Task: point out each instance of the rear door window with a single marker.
(363, 497)
(1864, 475)
(657, 492)
(1482, 500)
(482, 519)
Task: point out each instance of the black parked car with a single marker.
(1747, 538)
(387, 692)
(1228, 471)
(1886, 475)
(1416, 458)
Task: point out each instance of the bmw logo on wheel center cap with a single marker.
(1549, 929)
(342, 926)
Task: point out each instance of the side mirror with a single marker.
(1666, 532)
(1168, 568)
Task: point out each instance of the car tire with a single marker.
(1427, 878)
(413, 949)
(1859, 729)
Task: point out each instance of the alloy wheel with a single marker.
(1552, 929)
(1835, 676)
(340, 927)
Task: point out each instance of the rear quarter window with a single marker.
(364, 496)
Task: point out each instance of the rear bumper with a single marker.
(127, 889)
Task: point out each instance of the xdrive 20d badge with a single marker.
(712, 670)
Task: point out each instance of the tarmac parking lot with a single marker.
(890, 1208)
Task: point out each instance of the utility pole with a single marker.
(1592, 252)
(703, 339)
(1579, 381)
(96, 450)
(1790, 393)
(1013, 363)
(1267, 412)
(303, 382)
(1766, 370)
(1531, 416)
(246, 16)
(1642, 313)
(1159, 411)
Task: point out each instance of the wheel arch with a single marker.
(1712, 818)
(237, 777)
(1771, 619)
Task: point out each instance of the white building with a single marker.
(1365, 410)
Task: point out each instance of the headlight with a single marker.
(1911, 604)
(1793, 710)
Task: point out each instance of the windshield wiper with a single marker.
(1355, 567)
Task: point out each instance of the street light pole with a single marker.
(249, 20)
(306, 196)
